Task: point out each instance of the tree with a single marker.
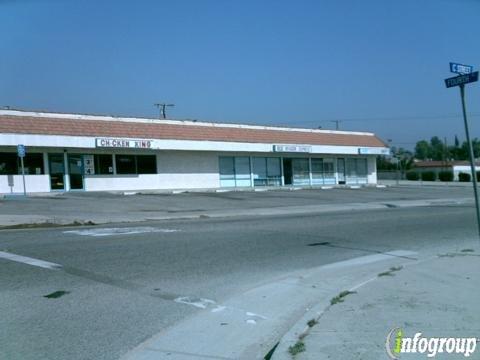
(438, 150)
(422, 150)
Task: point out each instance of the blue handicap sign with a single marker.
(21, 150)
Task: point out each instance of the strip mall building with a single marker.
(70, 152)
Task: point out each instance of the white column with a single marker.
(281, 168)
(46, 168)
(251, 171)
(66, 175)
(310, 171)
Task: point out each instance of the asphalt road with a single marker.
(121, 288)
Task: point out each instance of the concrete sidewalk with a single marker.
(438, 297)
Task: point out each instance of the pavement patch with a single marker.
(119, 231)
(56, 294)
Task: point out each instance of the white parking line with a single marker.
(368, 259)
(29, 261)
(119, 231)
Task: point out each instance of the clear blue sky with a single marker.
(302, 63)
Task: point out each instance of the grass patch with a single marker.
(297, 348)
(312, 323)
(341, 297)
(56, 294)
(391, 271)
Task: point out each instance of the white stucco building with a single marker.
(72, 152)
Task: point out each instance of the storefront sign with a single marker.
(292, 148)
(88, 165)
(374, 151)
(123, 143)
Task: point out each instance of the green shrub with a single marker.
(464, 177)
(478, 175)
(429, 176)
(412, 175)
(445, 176)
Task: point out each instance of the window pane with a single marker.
(328, 172)
(227, 171)
(274, 172)
(103, 164)
(242, 171)
(8, 164)
(317, 171)
(146, 164)
(301, 174)
(351, 167)
(33, 164)
(125, 164)
(362, 167)
(260, 171)
(273, 167)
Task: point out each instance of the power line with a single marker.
(429, 117)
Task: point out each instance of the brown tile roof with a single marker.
(12, 124)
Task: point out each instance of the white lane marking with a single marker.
(30, 261)
(194, 301)
(369, 259)
(119, 231)
(218, 308)
(248, 313)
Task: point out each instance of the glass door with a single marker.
(57, 171)
(75, 170)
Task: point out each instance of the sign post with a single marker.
(21, 154)
(467, 76)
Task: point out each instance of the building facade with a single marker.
(456, 167)
(72, 152)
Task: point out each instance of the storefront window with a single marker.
(328, 172)
(227, 171)
(8, 163)
(125, 164)
(33, 164)
(136, 164)
(242, 171)
(356, 171)
(266, 171)
(103, 164)
(317, 172)
(301, 174)
(146, 164)
(234, 171)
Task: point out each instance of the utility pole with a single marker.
(162, 107)
(472, 156)
(337, 123)
(466, 76)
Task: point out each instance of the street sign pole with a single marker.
(23, 177)
(472, 156)
(21, 151)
